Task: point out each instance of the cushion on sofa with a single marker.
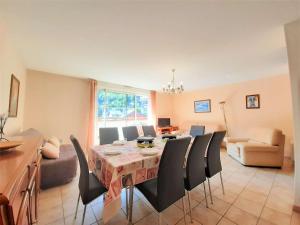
(265, 135)
(50, 151)
(257, 147)
(54, 141)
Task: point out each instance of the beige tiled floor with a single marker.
(254, 196)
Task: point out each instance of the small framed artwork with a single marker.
(202, 106)
(13, 96)
(252, 102)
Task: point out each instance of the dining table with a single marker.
(123, 165)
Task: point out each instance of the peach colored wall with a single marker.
(164, 106)
(57, 105)
(275, 111)
(11, 63)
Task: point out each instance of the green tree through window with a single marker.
(118, 106)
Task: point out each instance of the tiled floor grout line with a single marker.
(267, 198)
(232, 204)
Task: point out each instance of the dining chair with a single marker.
(108, 135)
(90, 187)
(195, 167)
(213, 160)
(197, 130)
(168, 187)
(149, 131)
(130, 133)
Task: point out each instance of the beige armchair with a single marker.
(264, 147)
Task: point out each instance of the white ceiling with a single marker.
(137, 43)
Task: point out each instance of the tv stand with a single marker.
(167, 130)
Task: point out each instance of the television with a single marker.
(164, 122)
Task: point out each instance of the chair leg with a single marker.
(222, 183)
(83, 216)
(130, 206)
(211, 200)
(183, 206)
(126, 190)
(77, 206)
(205, 194)
(190, 208)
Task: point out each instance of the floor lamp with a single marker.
(222, 105)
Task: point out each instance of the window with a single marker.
(118, 109)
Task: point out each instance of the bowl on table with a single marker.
(149, 152)
(7, 145)
(145, 142)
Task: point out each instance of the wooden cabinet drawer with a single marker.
(17, 195)
(23, 217)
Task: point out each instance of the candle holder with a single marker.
(3, 119)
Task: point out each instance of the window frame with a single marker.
(126, 93)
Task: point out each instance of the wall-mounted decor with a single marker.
(13, 97)
(202, 106)
(252, 102)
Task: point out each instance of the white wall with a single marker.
(292, 31)
(11, 63)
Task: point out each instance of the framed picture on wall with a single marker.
(13, 97)
(252, 101)
(202, 106)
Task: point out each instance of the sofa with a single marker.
(55, 172)
(263, 147)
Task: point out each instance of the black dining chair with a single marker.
(90, 187)
(108, 135)
(197, 130)
(168, 187)
(130, 133)
(213, 160)
(195, 167)
(149, 131)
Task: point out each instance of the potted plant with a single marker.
(3, 119)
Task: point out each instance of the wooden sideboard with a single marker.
(167, 130)
(19, 180)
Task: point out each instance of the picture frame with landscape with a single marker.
(202, 106)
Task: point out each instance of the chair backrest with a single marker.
(130, 133)
(84, 169)
(149, 131)
(170, 180)
(197, 130)
(213, 154)
(108, 135)
(195, 166)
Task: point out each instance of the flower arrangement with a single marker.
(3, 119)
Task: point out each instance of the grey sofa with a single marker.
(55, 172)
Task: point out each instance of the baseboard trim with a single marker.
(296, 208)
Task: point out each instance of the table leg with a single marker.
(131, 187)
(126, 190)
